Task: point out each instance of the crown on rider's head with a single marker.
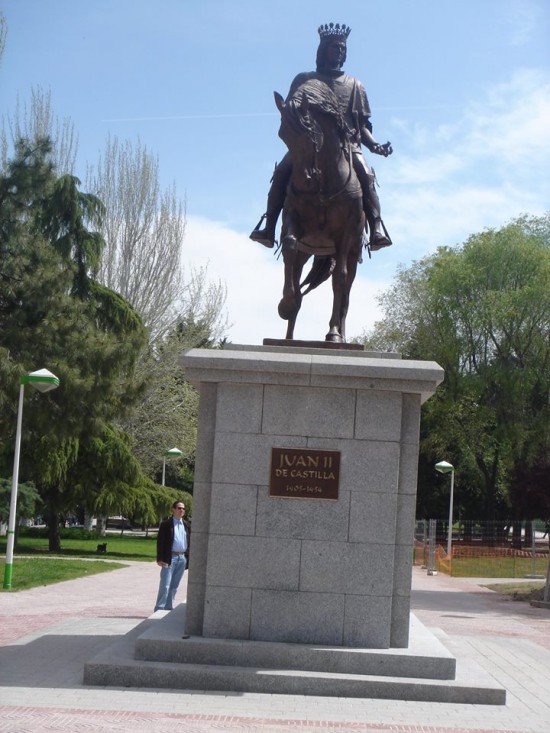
(331, 30)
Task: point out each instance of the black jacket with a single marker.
(165, 540)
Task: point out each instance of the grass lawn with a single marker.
(498, 567)
(519, 591)
(30, 573)
(65, 565)
(118, 547)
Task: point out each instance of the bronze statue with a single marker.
(354, 106)
(323, 185)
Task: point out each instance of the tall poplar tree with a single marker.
(143, 229)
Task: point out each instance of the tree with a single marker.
(34, 121)
(28, 502)
(3, 33)
(167, 414)
(53, 311)
(482, 311)
(106, 475)
(143, 229)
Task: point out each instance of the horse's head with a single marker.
(297, 122)
(312, 111)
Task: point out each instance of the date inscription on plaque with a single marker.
(301, 473)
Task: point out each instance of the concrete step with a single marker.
(117, 666)
(112, 669)
(426, 657)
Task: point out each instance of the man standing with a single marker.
(355, 109)
(172, 555)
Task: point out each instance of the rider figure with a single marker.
(354, 105)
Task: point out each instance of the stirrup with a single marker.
(384, 240)
(259, 224)
(261, 235)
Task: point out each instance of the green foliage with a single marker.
(37, 572)
(53, 313)
(28, 500)
(154, 503)
(95, 444)
(81, 543)
(69, 533)
(497, 567)
(482, 311)
(168, 413)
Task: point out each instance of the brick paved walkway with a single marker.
(48, 719)
(46, 635)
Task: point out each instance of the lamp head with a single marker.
(42, 380)
(173, 453)
(444, 467)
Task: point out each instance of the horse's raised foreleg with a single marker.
(287, 304)
(291, 301)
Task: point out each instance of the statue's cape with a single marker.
(350, 93)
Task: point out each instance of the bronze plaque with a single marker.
(301, 473)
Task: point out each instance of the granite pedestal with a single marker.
(305, 596)
(304, 570)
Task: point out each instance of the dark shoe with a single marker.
(379, 240)
(263, 236)
(379, 236)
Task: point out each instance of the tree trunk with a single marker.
(101, 526)
(54, 538)
(516, 534)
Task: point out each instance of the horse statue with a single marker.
(323, 211)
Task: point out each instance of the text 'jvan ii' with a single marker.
(303, 473)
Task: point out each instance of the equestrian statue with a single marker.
(323, 185)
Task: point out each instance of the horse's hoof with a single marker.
(335, 338)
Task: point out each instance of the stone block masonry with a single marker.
(316, 570)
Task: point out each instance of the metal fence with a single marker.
(483, 549)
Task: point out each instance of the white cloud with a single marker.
(507, 124)
(510, 124)
(491, 165)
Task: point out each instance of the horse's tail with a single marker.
(321, 270)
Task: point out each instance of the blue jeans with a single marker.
(170, 579)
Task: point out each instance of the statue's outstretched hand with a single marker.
(385, 149)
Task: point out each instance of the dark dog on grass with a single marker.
(102, 549)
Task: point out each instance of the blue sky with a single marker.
(462, 90)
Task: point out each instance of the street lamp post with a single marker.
(44, 381)
(172, 453)
(445, 467)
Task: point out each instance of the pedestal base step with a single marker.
(160, 658)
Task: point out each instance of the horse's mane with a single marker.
(321, 99)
